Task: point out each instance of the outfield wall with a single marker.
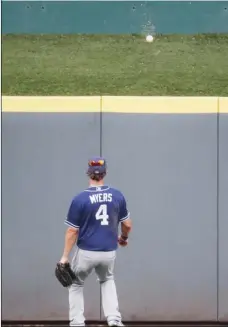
(64, 17)
(168, 155)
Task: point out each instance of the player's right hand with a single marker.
(123, 241)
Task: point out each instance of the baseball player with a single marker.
(93, 219)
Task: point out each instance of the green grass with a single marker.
(114, 65)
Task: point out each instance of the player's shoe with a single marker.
(115, 323)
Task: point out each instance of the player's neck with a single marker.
(96, 183)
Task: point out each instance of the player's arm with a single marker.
(126, 226)
(73, 223)
(126, 223)
(70, 239)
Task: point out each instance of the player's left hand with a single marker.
(123, 241)
(64, 260)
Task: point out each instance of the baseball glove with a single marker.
(64, 274)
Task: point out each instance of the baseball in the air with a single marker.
(149, 38)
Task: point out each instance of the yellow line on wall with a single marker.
(115, 104)
(50, 104)
(223, 105)
(160, 105)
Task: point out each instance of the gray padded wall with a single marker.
(223, 218)
(166, 166)
(43, 159)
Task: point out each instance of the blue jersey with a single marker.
(97, 212)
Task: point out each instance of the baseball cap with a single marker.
(97, 165)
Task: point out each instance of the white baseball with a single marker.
(149, 38)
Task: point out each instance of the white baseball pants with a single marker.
(83, 264)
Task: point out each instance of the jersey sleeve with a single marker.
(124, 213)
(74, 214)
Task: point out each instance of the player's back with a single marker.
(98, 213)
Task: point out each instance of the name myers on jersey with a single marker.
(100, 197)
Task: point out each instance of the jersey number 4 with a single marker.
(102, 214)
